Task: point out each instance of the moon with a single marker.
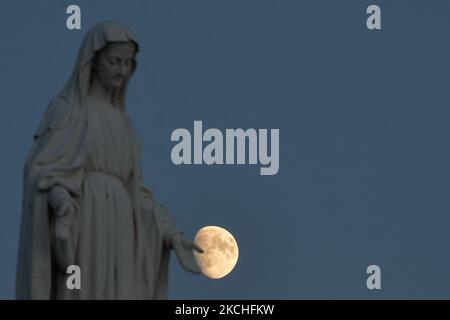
(220, 254)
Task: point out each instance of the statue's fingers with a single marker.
(67, 208)
(66, 219)
(186, 261)
(197, 248)
(192, 264)
(194, 268)
(63, 210)
(69, 214)
(187, 266)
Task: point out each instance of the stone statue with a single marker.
(84, 202)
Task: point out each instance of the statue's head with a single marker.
(107, 55)
(114, 64)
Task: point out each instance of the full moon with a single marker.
(220, 252)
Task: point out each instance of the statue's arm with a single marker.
(57, 155)
(151, 206)
(172, 237)
(54, 168)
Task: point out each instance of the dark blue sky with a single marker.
(363, 116)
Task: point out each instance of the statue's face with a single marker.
(114, 65)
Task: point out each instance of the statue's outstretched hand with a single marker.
(184, 250)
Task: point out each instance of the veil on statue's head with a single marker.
(100, 35)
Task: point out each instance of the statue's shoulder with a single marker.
(58, 112)
(57, 115)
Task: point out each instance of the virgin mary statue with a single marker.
(84, 202)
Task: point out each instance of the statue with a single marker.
(84, 202)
